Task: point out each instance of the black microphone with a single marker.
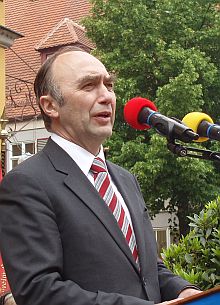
(141, 113)
(202, 124)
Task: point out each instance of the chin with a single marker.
(104, 134)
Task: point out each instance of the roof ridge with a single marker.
(68, 20)
(65, 21)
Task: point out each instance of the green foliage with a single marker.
(150, 43)
(197, 256)
(169, 52)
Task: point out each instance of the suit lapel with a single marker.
(79, 184)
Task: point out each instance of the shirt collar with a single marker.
(81, 156)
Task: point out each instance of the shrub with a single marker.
(197, 255)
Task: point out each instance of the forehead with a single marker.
(77, 64)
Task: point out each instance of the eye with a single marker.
(88, 86)
(110, 86)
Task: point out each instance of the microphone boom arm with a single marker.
(193, 152)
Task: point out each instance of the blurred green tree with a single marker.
(169, 52)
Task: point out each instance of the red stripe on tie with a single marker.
(113, 202)
(121, 218)
(135, 253)
(103, 188)
(128, 235)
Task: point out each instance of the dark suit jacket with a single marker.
(61, 244)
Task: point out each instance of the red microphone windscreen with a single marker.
(132, 110)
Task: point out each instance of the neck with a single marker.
(92, 147)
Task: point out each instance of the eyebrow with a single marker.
(94, 77)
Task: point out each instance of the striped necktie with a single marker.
(105, 189)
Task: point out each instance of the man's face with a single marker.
(88, 113)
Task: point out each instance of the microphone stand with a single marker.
(193, 152)
(174, 131)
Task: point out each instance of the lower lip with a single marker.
(102, 120)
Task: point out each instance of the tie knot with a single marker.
(98, 166)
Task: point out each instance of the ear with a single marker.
(49, 106)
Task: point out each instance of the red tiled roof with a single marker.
(65, 32)
(44, 23)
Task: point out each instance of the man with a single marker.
(62, 240)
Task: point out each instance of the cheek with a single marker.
(114, 107)
(74, 110)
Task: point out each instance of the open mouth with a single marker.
(104, 115)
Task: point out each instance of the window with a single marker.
(19, 152)
(162, 237)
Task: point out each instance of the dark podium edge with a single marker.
(197, 296)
